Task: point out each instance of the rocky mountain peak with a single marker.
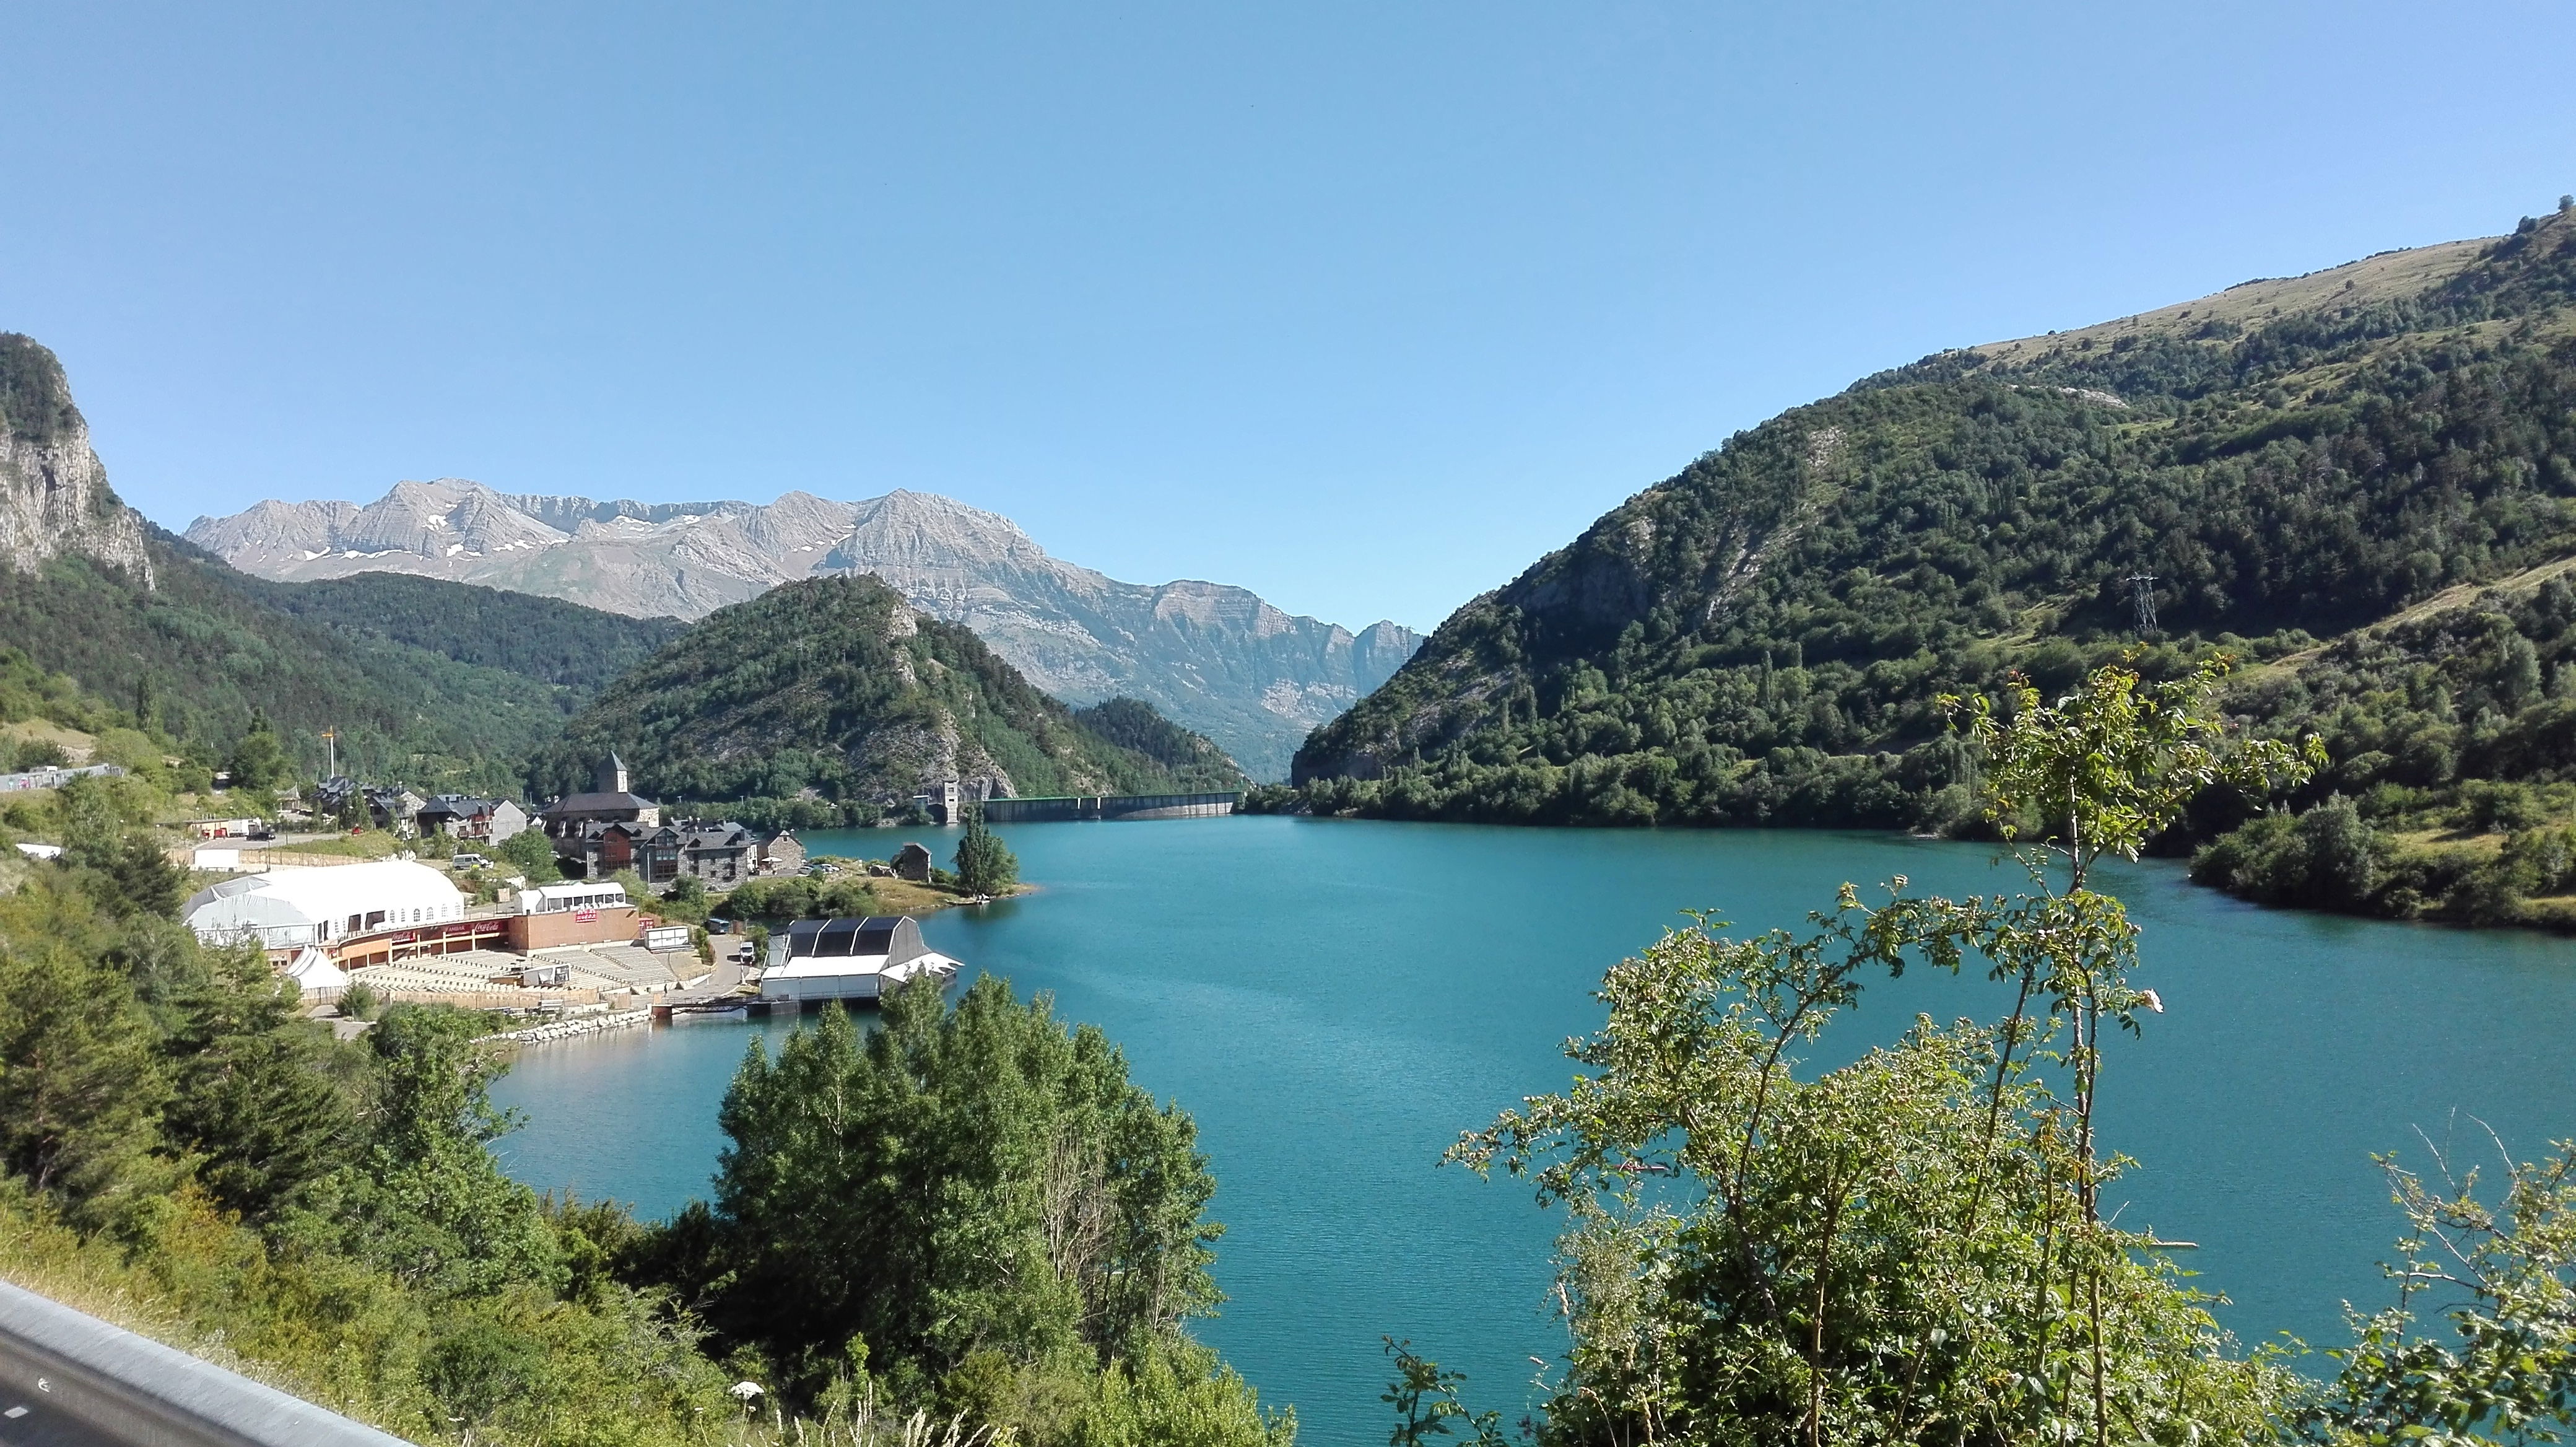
(924, 530)
(798, 529)
(54, 497)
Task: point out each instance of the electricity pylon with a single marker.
(2142, 593)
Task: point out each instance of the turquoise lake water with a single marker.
(1334, 1001)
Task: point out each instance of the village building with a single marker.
(850, 960)
(392, 808)
(610, 801)
(781, 853)
(464, 816)
(286, 910)
(718, 855)
(54, 778)
(337, 797)
(612, 828)
(912, 862)
(600, 832)
(389, 807)
(552, 916)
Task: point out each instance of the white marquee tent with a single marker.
(287, 908)
(314, 973)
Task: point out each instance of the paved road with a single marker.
(727, 976)
(36, 1424)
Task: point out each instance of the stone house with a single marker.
(718, 855)
(912, 862)
(335, 796)
(603, 831)
(463, 816)
(780, 853)
(394, 809)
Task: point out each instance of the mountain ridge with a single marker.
(1214, 657)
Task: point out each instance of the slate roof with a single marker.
(599, 804)
(462, 806)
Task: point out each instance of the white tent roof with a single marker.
(313, 971)
(324, 893)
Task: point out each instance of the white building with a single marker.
(579, 895)
(850, 960)
(286, 909)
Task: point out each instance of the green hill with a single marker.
(1760, 638)
(836, 691)
(1194, 759)
(546, 639)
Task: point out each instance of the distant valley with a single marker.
(1216, 658)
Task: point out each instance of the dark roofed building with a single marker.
(393, 808)
(895, 937)
(594, 850)
(715, 854)
(603, 831)
(337, 795)
(609, 802)
(464, 816)
(612, 828)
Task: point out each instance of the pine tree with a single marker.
(985, 865)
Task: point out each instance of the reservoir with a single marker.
(1335, 1000)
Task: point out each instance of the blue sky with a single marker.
(1362, 306)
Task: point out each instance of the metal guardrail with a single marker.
(133, 1390)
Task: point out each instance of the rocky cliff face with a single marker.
(54, 498)
(1216, 658)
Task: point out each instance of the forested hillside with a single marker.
(546, 639)
(1132, 723)
(835, 689)
(199, 656)
(436, 684)
(1761, 638)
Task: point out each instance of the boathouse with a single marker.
(852, 960)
